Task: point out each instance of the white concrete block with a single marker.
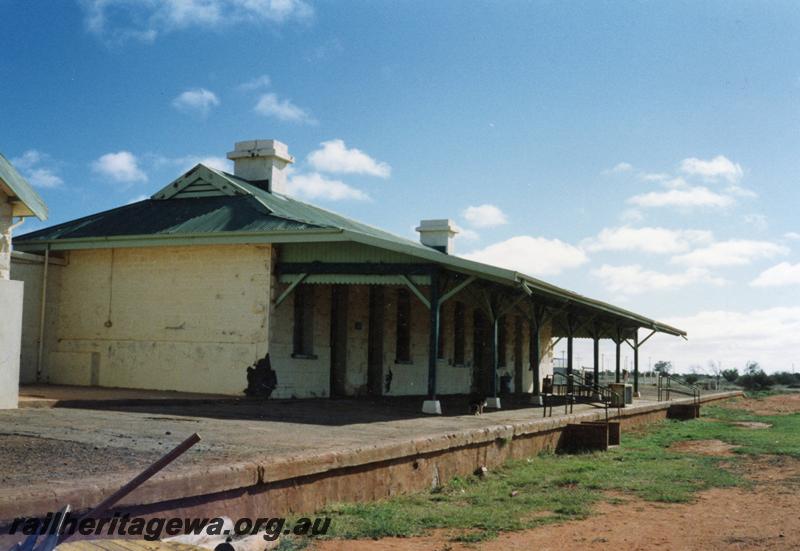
(432, 407)
(10, 341)
(493, 402)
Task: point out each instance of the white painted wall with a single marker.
(10, 339)
(172, 318)
(5, 236)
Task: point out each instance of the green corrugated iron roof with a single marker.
(241, 213)
(237, 209)
(26, 201)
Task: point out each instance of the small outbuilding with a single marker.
(187, 289)
(17, 200)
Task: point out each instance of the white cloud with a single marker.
(145, 20)
(196, 100)
(44, 177)
(122, 166)
(270, 105)
(758, 221)
(314, 185)
(768, 336)
(631, 216)
(682, 198)
(648, 240)
(793, 235)
(653, 176)
(256, 83)
(531, 255)
(621, 167)
(633, 279)
(720, 167)
(334, 156)
(733, 252)
(778, 276)
(740, 191)
(30, 164)
(465, 234)
(485, 216)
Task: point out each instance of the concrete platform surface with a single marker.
(52, 456)
(48, 396)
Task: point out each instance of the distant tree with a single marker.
(662, 366)
(785, 378)
(691, 378)
(754, 378)
(730, 375)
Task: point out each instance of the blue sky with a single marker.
(642, 153)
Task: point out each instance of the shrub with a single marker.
(755, 379)
(730, 375)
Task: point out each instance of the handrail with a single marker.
(607, 396)
(665, 390)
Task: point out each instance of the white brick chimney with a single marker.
(262, 162)
(437, 234)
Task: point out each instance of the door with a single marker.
(338, 340)
(481, 354)
(375, 341)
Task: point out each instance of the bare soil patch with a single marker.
(780, 404)
(703, 447)
(751, 424)
(766, 518)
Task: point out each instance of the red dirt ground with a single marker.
(781, 404)
(765, 518)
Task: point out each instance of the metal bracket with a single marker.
(288, 291)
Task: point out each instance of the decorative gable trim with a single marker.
(200, 181)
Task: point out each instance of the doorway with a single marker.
(375, 341)
(481, 354)
(338, 340)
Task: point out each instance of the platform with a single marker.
(262, 458)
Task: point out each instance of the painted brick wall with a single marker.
(311, 377)
(30, 273)
(301, 377)
(173, 318)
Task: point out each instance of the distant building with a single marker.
(185, 290)
(17, 200)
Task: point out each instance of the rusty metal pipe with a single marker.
(138, 480)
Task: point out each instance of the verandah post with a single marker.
(536, 353)
(432, 405)
(636, 363)
(596, 363)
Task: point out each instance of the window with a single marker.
(458, 334)
(502, 341)
(403, 343)
(440, 346)
(303, 322)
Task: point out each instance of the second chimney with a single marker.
(437, 234)
(262, 163)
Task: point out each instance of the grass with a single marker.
(554, 488)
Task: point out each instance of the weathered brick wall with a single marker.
(173, 318)
(311, 377)
(301, 377)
